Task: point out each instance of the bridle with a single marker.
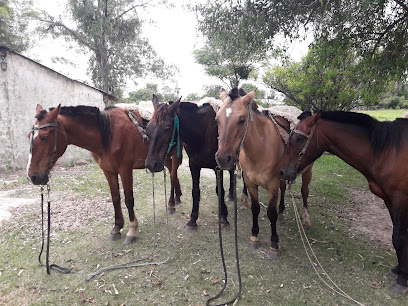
(54, 150)
(305, 146)
(249, 117)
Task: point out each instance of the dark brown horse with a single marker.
(252, 136)
(115, 144)
(198, 132)
(379, 150)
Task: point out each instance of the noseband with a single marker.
(54, 150)
(306, 145)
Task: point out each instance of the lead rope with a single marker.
(234, 300)
(136, 263)
(47, 255)
(304, 238)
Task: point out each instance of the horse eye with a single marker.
(44, 138)
(241, 121)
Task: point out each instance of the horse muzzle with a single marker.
(225, 161)
(154, 165)
(39, 179)
(287, 175)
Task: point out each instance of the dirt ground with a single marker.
(368, 216)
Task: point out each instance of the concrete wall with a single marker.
(23, 85)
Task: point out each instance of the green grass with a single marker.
(194, 272)
(385, 114)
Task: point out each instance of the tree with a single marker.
(111, 32)
(376, 29)
(146, 93)
(13, 24)
(330, 77)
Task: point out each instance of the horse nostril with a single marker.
(281, 173)
(229, 158)
(33, 178)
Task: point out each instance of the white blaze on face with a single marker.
(30, 156)
(228, 112)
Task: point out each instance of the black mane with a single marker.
(91, 112)
(383, 134)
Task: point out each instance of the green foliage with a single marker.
(14, 17)
(146, 94)
(329, 77)
(111, 31)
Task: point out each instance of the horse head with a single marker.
(47, 143)
(232, 119)
(161, 130)
(300, 150)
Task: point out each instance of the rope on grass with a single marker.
(304, 238)
(136, 263)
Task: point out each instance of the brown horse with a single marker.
(379, 150)
(114, 142)
(242, 126)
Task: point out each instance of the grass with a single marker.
(194, 272)
(385, 114)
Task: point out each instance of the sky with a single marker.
(173, 35)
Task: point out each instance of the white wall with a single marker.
(25, 84)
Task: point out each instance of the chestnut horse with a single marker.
(379, 150)
(114, 142)
(254, 138)
(198, 132)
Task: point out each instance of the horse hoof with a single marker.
(114, 237)
(171, 211)
(129, 240)
(273, 253)
(307, 228)
(230, 198)
(177, 202)
(391, 276)
(225, 225)
(245, 206)
(398, 289)
(190, 229)
(281, 217)
(253, 245)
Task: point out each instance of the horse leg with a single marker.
(231, 186)
(306, 178)
(113, 182)
(195, 175)
(281, 217)
(400, 242)
(224, 210)
(171, 208)
(255, 208)
(273, 217)
(175, 181)
(127, 182)
(244, 197)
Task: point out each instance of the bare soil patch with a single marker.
(370, 216)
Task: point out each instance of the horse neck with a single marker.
(348, 142)
(191, 130)
(82, 133)
(262, 136)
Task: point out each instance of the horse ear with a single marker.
(38, 109)
(155, 101)
(54, 113)
(223, 95)
(249, 97)
(173, 107)
(316, 117)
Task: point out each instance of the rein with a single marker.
(176, 127)
(234, 300)
(306, 145)
(47, 264)
(310, 253)
(249, 117)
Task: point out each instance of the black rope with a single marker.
(219, 186)
(47, 255)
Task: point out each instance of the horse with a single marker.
(379, 150)
(252, 138)
(198, 132)
(114, 142)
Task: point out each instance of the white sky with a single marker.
(173, 36)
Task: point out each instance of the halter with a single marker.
(306, 145)
(249, 117)
(54, 150)
(172, 142)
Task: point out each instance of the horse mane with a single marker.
(382, 134)
(90, 112)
